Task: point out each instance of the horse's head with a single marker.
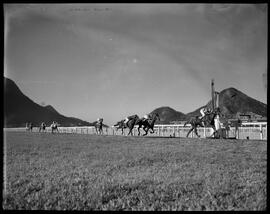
(119, 123)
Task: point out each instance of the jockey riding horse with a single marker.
(42, 127)
(207, 120)
(120, 125)
(98, 126)
(54, 126)
(128, 122)
(148, 122)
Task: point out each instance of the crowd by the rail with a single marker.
(208, 118)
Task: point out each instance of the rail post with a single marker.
(261, 132)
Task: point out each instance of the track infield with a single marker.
(44, 171)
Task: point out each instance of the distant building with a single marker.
(250, 116)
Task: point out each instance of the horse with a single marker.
(54, 126)
(147, 123)
(98, 126)
(130, 124)
(29, 127)
(206, 121)
(42, 127)
(194, 122)
(120, 125)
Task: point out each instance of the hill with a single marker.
(231, 101)
(19, 109)
(50, 108)
(168, 115)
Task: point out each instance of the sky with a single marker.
(116, 60)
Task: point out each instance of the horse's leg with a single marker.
(146, 131)
(196, 132)
(214, 128)
(139, 130)
(129, 131)
(190, 130)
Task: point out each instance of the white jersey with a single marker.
(202, 111)
(146, 116)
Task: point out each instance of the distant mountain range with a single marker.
(19, 109)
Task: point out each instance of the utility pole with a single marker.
(213, 94)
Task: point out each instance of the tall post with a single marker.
(213, 94)
(216, 99)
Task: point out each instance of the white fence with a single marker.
(246, 131)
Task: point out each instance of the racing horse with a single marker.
(98, 126)
(120, 125)
(130, 124)
(42, 127)
(29, 127)
(147, 123)
(54, 126)
(207, 121)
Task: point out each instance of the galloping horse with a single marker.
(54, 126)
(42, 127)
(206, 121)
(120, 125)
(194, 122)
(29, 127)
(147, 124)
(98, 126)
(131, 123)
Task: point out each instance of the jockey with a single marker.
(203, 111)
(100, 120)
(128, 118)
(146, 117)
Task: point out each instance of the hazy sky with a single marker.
(114, 60)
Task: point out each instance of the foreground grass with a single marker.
(89, 172)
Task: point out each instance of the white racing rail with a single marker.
(248, 130)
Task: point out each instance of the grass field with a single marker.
(90, 172)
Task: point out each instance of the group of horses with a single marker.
(42, 127)
(146, 124)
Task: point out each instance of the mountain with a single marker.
(168, 115)
(19, 109)
(231, 102)
(50, 108)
